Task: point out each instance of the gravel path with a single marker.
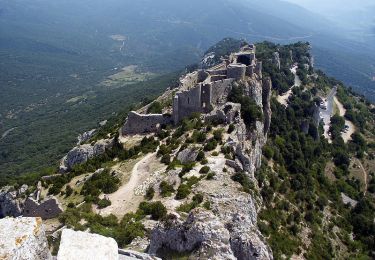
(283, 99)
(348, 135)
(124, 200)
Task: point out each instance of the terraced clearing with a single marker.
(125, 76)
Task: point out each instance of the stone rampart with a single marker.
(141, 124)
(49, 208)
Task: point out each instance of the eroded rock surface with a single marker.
(83, 153)
(23, 238)
(10, 205)
(77, 245)
(202, 233)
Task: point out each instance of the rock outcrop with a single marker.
(84, 137)
(83, 153)
(77, 245)
(202, 234)
(187, 155)
(10, 204)
(23, 238)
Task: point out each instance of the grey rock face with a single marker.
(83, 153)
(187, 155)
(10, 205)
(202, 233)
(85, 136)
(228, 113)
(23, 239)
(276, 60)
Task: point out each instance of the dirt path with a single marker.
(124, 200)
(364, 176)
(283, 99)
(348, 135)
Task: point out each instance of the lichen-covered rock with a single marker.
(10, 205)
(77, 245)
(83, 153)
(202, 234)
(187, 155)
(23, 239)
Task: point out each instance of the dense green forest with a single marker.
(303, 209)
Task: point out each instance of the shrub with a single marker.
(204, 170)
(165, 189)
(215, 154)
(198, 198)
(210, 176)
(244, 180)
(68, 191)
(230, 128)
(200, 156)
(183, 191)
(104, 203)
(155, 108)
(211, 145)
(207, 205)
(150, 193)
(218, 135)
(156, 209)
(268, 152)
(166, 159)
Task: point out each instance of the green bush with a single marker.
(244, 180)
(200, 156)
(211, 145)
(156, 209)
(155, 108)
(204, 170)
(183, 191)
(166, 159)
(104, 203)
(210, 176)
(150, 193)
(166, 189)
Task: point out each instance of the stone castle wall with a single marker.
(48, 209)
(140, 124)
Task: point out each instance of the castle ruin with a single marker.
(202, 91)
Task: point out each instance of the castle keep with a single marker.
(202, 91)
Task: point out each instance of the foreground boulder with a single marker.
(23, 238)
(77, 245)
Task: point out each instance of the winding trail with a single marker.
(283, 99)
(364, 176)
(347, 136)
(124, 200)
